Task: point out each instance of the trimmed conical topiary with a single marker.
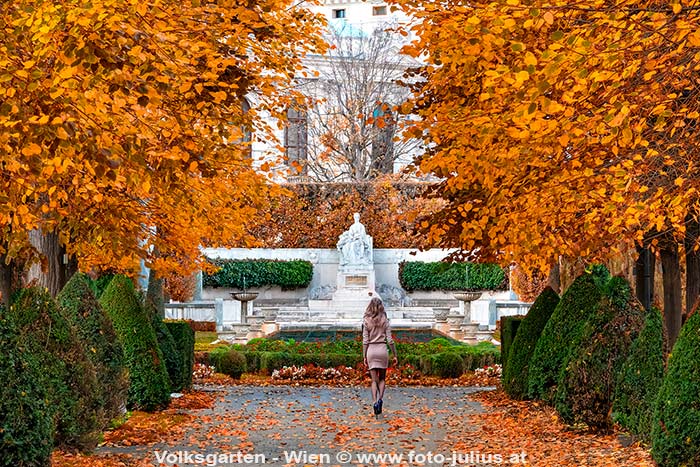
(587, 380)
(73, 390)
(26, 416)
(155, 308)
(95, 329)
(563, 332)
(184, 339)
(640, 379)
(149, 387)
(676, 424)
(515, 374)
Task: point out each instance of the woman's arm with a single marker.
(365, 343)
(392, 345)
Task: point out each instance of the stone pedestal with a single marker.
(269, 324)
(355, 288)
(255, 329)
(454, 323)
(440, 314)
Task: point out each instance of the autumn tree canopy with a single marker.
(125, 118)
(558, 127)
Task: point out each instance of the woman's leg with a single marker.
(374, 374)
(381, 383)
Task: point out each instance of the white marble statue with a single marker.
(355, 246)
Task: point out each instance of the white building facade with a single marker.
(350, 129)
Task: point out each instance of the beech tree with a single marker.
(561, 129)
(124, 118)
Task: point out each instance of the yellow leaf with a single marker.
(549, 17)
(31, 150)
(679, 181)
(44, 120)
(146, 186)
(677, 8)
(564, 140)
(530, 59)
(522, 75)
(67, 72)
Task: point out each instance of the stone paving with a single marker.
(288, 425)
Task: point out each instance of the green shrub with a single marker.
(562, 333)
(96, 332)
(676, 425)
(99, 284)
(258, 273)
(231, 363)
(168, 348)
(509, 329)
(587, 382)
(26, 414)
(149, 383)
(417, 275)
(640, 378)
(74, 392)
(515, 372)
(447, 365)
(184, 341)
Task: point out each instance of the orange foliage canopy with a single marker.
(313, 215)
(557, 127)
(125, 118)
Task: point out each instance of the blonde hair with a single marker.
(375, 315)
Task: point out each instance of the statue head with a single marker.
(356, 216)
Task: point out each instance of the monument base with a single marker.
(355, 288)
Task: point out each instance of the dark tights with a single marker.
(378, 383)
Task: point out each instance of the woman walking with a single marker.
(376, 335)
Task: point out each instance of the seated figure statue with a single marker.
(354, 245)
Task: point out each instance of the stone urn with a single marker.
(467, 298)
(440, 314)
(269, 314)
(244, 297)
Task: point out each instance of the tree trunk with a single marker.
(692, 265)
(52, 271)
(670, 264)
(155, 298)
(554, 278)
(6, 275)
(644, 276)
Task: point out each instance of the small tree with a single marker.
(150, 387)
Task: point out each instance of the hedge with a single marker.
(587, 381)
(150, 385)
(509, 329)
(73, 389)
(515, 372)
(562, 333)
(259, 273)
(640, 378)
(417, 275)
(96, 332)
(26, 415)
(184, 341)
(267, 355)
(676, 424)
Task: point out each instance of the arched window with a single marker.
(384, 130)
(296, 139)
